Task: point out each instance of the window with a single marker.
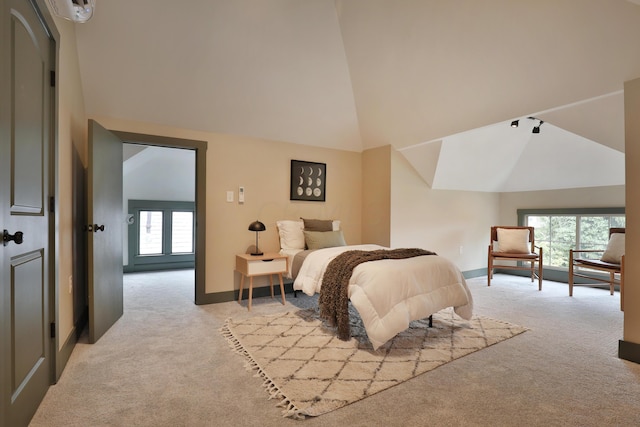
(558, 230)
(150, 232)
(181, 232)
(161, 235)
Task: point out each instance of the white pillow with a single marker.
(291, 234)
(615, 249)
(513, 241)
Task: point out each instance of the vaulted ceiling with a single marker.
(438, 80)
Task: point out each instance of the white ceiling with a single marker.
(439, 81)
(499, 158)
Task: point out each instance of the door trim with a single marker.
(58, 355)
(200, 148)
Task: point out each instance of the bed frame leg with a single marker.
(431, 321)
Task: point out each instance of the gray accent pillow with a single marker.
(318, 224)
(324, 239)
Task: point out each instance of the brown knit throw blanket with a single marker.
(334, 296)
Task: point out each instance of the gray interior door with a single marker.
(104, 230)
(25, 132)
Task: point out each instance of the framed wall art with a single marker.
(308, 181)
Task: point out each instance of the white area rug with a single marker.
(311, 372)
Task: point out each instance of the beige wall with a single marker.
(445, 221)
(263, 168)
(376, 196)
(632, 250)
(72, 125)
(595, 197)
(454, 224)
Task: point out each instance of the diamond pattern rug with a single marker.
(311, 372)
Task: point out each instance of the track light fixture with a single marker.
(536, 129)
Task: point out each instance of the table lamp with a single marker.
(257, 226)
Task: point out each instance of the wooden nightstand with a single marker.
(261, 265)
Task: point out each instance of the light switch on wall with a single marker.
(229, 196)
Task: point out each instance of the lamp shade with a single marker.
(257, 226)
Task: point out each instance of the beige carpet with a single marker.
(165, 364)
(311, 372)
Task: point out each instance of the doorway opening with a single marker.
(161, 154)
(158, 189)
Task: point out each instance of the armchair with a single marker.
(514, 243)
(611, 263)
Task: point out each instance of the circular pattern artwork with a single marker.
(308, 181)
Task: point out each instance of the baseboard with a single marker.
(263, 291)
(144, 268)
(628, 350)
(470, 274)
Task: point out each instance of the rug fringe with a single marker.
(290, 411)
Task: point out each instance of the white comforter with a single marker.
(389, 294)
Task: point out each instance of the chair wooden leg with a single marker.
(489, 267)
(570, 273)
(540, 269)
(540, 275)
(612, 277)
(533, 274)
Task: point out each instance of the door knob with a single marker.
(94, 227)
(17, 238)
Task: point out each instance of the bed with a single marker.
(388, 294)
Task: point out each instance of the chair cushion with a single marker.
(514, 256)
(513, 241)
(598, 264)
(615, 249)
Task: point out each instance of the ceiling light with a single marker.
(79, 11)
(514, 124)
(536, 129)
